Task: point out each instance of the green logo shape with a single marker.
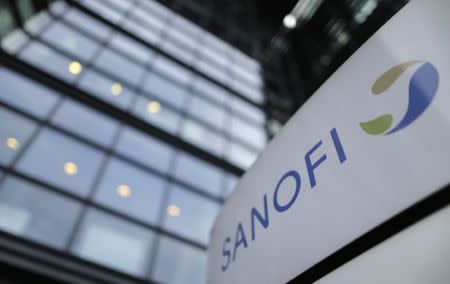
(378, 125)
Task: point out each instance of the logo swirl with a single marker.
(422, 89)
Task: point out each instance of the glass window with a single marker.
(113, 92)
(172, 70)
(14, 41)
(241, 156)
(37, 23)
(35, 213)
(253, 93)
(179, 263)
(86, 122)
(211, 90)
(145, 149)
(62, 162)
(213, 71)
(250, 134)
(155, 8)
(231, 182)
(150, 21)
(176, 33)
(131, 47)
(157, 114)
(190, 215)
(198, 173)
(186, 28)
(87, 24)
(243, 108)
(49, 60)
(202, 137)
(26, 94)
(58, 7)
(15, 132)
(218, 58)
(144, 33)
(252, 78)
(115, 243)
(76, 44)
(130, 190)
(166, 90)
(207, 112)
(119, 66)
(104, 9)
(182, 53)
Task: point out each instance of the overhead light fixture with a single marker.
(75, 67)
(12, 143)
(116, 89)
(290, 21)
(70, 168)
(153, 107)
(124, 190)
(173, 210)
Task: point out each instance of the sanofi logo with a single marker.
(423, 86)
(285, 193)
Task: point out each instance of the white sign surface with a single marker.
(373, 140)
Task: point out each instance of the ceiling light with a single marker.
(116, 89)
(290, 21)
(12, 143)
(75, 67)
(173, 210)
(124, 190)
(70, 168)
(153, 107)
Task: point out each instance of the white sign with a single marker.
(372, 141)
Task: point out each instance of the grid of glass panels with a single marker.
(88, 184)
(127, 74)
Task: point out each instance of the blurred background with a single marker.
(124, 125)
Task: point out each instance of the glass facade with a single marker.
(79, 172)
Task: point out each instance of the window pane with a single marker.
(190, 215)
(145, 149)
(35, 213)
(241, 156)
(241, 107)
(15, 132)
(213, 71)
(130, 190)
(85, 122)
(172, 70)
(179, 263)
(230, 184)
(156, 8)
(87, 24)
(115, 243)
(112, 92)
(165, 90)
(119, 66)
(248, 133)
(14, 41)
(102, 8)
(144, 33)
(157, 114)
(49, 60)
(178, 51)
(62, 162)
(132, 48)
(207, 112)
(61, 36)
(198, 173)
(202, 137)
(26, 94)
(38, 22)
(149, 20)
(211, 90)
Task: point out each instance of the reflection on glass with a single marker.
(58, 65)
(145, 149)
(76, 44)
(32, 212)
(101, 87)
(85, 122)
(198, 173)
(132, 191)
(197, 215)
(115, 243)
(179, 263)
(117, 65)
(15, 131)
(62, 162)
(26, 94)
(157, 114)
(197, 134)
